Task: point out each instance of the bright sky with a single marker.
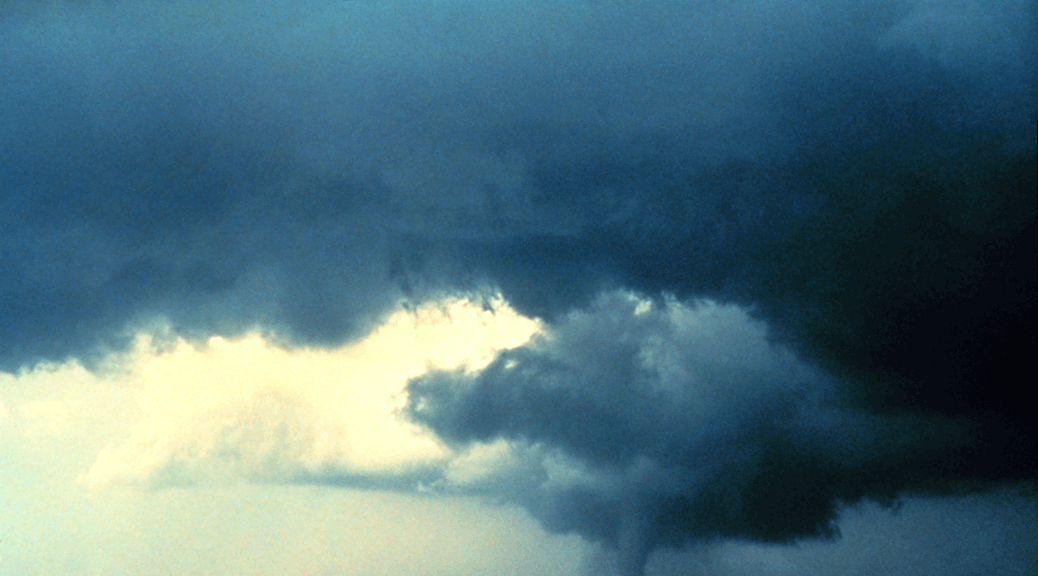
(172, 462)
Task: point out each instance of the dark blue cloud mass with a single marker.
(859, 177)
(694, 427)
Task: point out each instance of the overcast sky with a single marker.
(574, 288)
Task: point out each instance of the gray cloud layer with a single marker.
(861, 178)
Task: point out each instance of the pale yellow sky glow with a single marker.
(174, 462)
(245, 409)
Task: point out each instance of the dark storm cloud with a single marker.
(861, 178)
(705, 429)
(299, 166)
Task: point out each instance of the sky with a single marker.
(570, 288)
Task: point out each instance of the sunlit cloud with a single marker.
(246, 409)
(45, 417)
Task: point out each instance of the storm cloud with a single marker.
(691, 425)
(852, 187)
